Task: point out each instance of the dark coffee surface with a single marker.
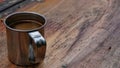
(26, 25)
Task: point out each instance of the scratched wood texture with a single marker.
(79, 34)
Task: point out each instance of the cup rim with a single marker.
(19, 30)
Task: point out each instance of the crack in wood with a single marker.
(9, 6)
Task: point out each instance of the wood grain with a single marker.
(79, 33)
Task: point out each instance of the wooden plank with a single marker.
(79, 33)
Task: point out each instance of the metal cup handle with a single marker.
(38, 40)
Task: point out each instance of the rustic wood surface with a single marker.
(79, 34)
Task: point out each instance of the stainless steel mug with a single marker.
(25, 46)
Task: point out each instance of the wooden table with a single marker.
(79, 33)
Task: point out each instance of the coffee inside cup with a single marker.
(26, 25)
